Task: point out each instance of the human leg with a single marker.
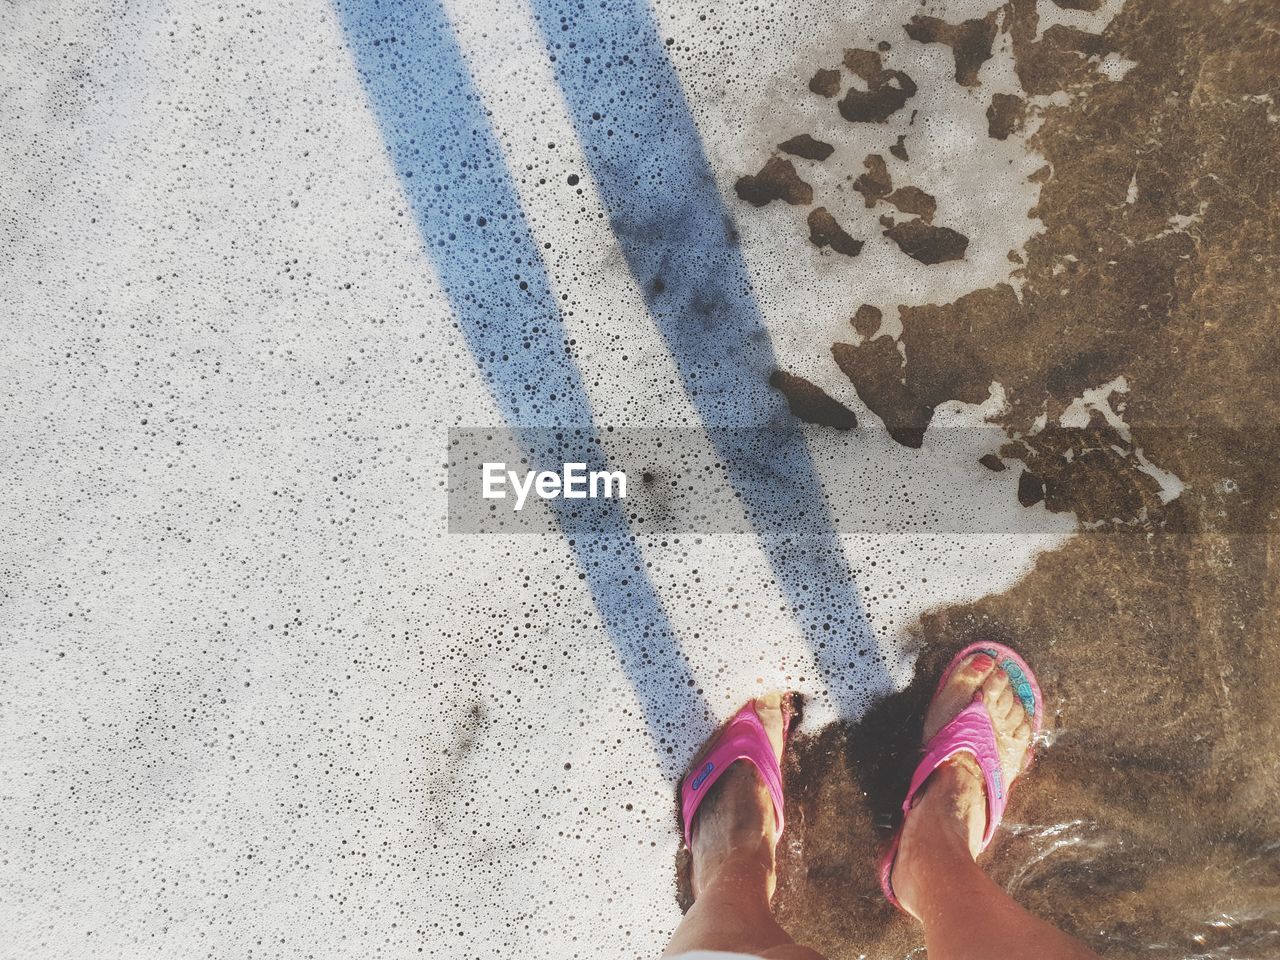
(733, 838)
(935, 877)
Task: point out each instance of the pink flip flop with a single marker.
(742, 739)
(971, 731)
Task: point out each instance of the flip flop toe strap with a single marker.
(971, 732)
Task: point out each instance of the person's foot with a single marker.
(951, 809)
(735, 828)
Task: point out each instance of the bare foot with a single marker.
(952, 807)
(735, 828)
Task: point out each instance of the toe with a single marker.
(997, 681)
(997, 698)
(1005, 699)
(978, 666)
(769, 708)
(1020, 746)
(991, 700)
(957, 692)
(771, 702)
(1022, 733)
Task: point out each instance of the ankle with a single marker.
(953, 806)
(733, 835)
(942, 832)
(744, 865)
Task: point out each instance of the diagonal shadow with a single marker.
(646, 156)
(468, 213)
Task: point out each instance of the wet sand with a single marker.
(1149, 825)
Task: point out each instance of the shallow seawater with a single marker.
(1143, 826)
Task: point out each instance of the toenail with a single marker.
(981, 663)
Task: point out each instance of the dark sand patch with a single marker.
(914, 200)
(928, 244)
(806, 147)
(875, 184)
(824, 231)
(811, 403)
(867, 320)
(992, 462)
(777, 180)
(1060, 59)
(870, 366)
(1005, 116)
(1030, 489)
(887, 90)
(825, 83)
(1090, 470)
(899, 149)
(970, 41)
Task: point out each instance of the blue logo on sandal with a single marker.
(701, 778)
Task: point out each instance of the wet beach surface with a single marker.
(1149, 826)
(257, 697)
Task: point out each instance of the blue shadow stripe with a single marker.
(469, 216)
(647, 160)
